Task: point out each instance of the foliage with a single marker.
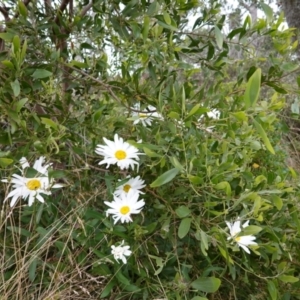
(71, 77)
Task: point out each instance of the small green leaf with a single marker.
(145, 30)
(251, 230)
(8, 63)
(207, 284)
(49, 123)
(165, 178)
(4, 162)
(15, 87)
(267, 10)
(204, 240)
(182, 211)
(263, 136)
(57, 174)
(32, 269)
(167, 18)
(194, 110)
(19, 230)
(121, 278)
(219, 37)
(16, 44)
(22, 9)
(272, 290)
(20, 104)
(184, 227)
(41, 73)
(150, 153)
(277, 201)
(241, 116)
(288, 278)
(107, 289)
(252, 89)
(199, 298)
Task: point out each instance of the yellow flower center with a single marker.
(126, 188)
(142, 115)
(124, 210)
(237, 239)
(33, 184)
(120, 154)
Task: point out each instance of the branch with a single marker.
(4, 12)
(47, 7)
(61, 9)
(86, 8)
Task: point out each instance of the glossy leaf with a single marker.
(252, 89)
(206, 284)
(165, 178)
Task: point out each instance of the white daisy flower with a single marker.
(132, 185)
(146, 116)
(214, 114)
(31, 188)
(242, 241)
(118, 152)
(123, 206)
(120, 252)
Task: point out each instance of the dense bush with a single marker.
(203, 131)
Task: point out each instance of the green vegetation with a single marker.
(215, 153)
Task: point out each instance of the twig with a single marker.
(86, 9)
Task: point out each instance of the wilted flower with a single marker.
(120, 252)
(123, 206)
(118, 152)
(213, 114)
(25, 187)
(145, 116)
(243, 241)
(132, 185)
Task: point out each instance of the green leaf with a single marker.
(252, 89)
(288, 278)
(272, 290)
(107, 289)
(165, 178)
(20, 104)
(7, 36)
(57, 174)
(4, 162)
(32, 269)
(150, 153)
(15, 87)
(184, 227)
(224, 185)
(16, 44)
(8, 64)
(164, 25)
(182, 211)
(41, 73)
(145, 30)
(22, 9)
(267, 10)
(199, 298)
(19, 230)
(167, 18)
(219, 37)
(277, 201)
(263, 136)
(49, 123)
(251, 230)
(204, 239)
(207, 284)
(121, 278)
